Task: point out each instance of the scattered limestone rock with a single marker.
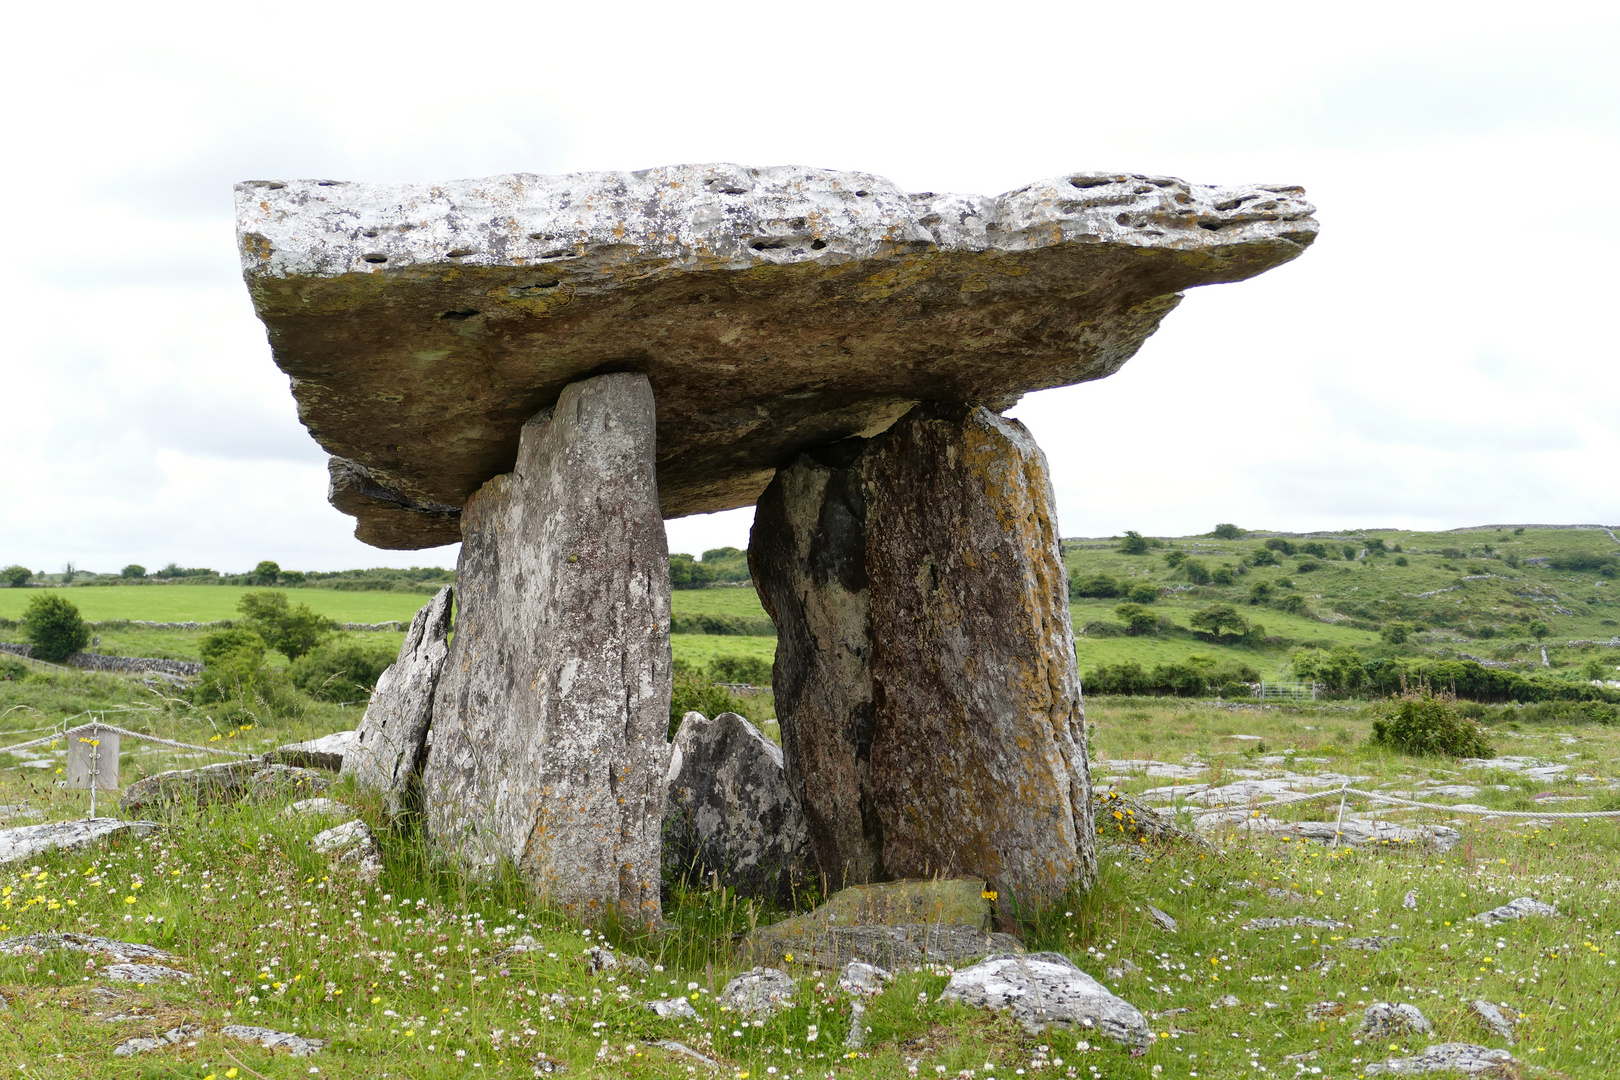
(1359, 833)
(1323, 1009)
(317, 808)
(1124, 968)
(892, 924)
(1164, 921)
(1495, 1019)
(684, 1051)
(391, 743)
(1225, 1001)
(270, 1039)
(228, 783)
(27, 841)
(673, 1008)
(327, 752)
(600, 958)
(761, 991)
(131, 1047)
(351, 845)
(1121, 816)
(728, 811)
(863, 980)
(1044, 989)
(142, 973)
(1444, 1057)
(1384, 1020)
(1294, 920)
(1371, 944)
(119, 951)
(1514, 909)
(856, 1039)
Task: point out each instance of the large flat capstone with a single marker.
(551, 712)
(772, 309)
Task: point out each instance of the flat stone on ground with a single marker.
(25, 842)
(352, 847)
(1521, 908)
(327, 752)
(271, 1039)
(760, 991)
(1446, 1057)
(1386, 1020)
(1047, 989)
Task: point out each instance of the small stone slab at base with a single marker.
(1447, 1057)
(761, 991)
(673, 1008)
(183, 1033)
(1386, 1020)
(351, 846)
(230, 782)
(391, 742)
(317, 808)
(142, 973)
(27, 841)
(120, 951)
(1355, 833)
(1515, 909)
(270, 1039)
(728, 811)
(1044, 989)
(894, 923)
(1492, 1016)
(327, 752)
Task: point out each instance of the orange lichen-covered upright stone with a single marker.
(550, 717)
(925, 676)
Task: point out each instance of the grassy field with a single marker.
(399, 975)
(208, 603)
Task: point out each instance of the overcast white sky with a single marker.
(1444, 355)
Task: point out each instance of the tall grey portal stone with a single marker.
(387, 749)
(549, 720)
(925, 672)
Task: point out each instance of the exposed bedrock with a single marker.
(550, 715)
(925, 675)
(387, 749)
(773, 309)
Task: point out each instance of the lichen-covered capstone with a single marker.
(773, 309)
(550, 716)
(925, 672)
(386, 751)
(728, 811)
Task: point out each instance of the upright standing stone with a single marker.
(807, 555)
(387, 749)
(925, 674)
(549, 720)
(979, 760)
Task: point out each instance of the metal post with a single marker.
(1338, 829)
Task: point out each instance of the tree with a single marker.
(133, 570)
(1595, 669)
(1143, 593)
(1228, 531)
(291, 631)
(1134, 543)
(266, 573)
(1259, 592)
(1197, 572)
(1396, 633)
(53, 626)
(1173, 559)
(68, 574)
(1217, 618)
(16, 576)
(1137, 619)
(1538, 629)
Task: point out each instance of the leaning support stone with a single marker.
(387, 749)
(925, 675)
(550, 719)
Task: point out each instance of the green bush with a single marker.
(1103, 628)
(740, 670)
(341, 670)
(1280, 546)
(1314, 547)
(733, 625)
(1426, 723)
(1260, 592)
(1097, 586)
(52, 625)
(1194, 676)
(221, 643)
(1134, 543)
(1586, 561)
(1173, 559)
(1218, 619)
(1227, 531)
(1401, 560)
(1142, 593)
(1350, 553)
(133, 570)
(1309, 566)
(16, 576)
(1221, 576)
(1293, 603)
(695, 691)
(1396, 633)
(1137, 619)
(236, 685)
(12, 669)
(291, 631)
(1262, 557)
(1196, 572)
(1340, 669)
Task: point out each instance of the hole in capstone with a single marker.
(769, 244)
(459, 315)
(461, 253)
(862, 194)
(1090, 181)
(817, 245)
(374, 257)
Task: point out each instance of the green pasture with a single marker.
(207, 603)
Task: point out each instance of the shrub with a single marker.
(291, 631)
(1197, 572)
(1293, 603)
(1586, 561)
(1221, 576)
(1134, 543)
(1218, 619)
(1308, 566)
(1262, 557)
(1260, 592)
(1227, 531)
(1098, 586)
(133, 570)
(53, 626)
(1340, 669)
(695, 691)
(1350, 552)
(1426, 723)
(16, 576)
(1375, 546)
(12, 669)
(730, 625)
(1142, 593)
(1314, 547)
(1190, 677)
(341, 670)
(1102, 628)
(1400, 560)
(744, 670)
(1538, 629)
(1396, 633)
(222, 642)
(1279, 545)
(1173, 559)
(1137, 619)
(266, 573)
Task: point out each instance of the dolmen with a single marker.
(546, 368)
